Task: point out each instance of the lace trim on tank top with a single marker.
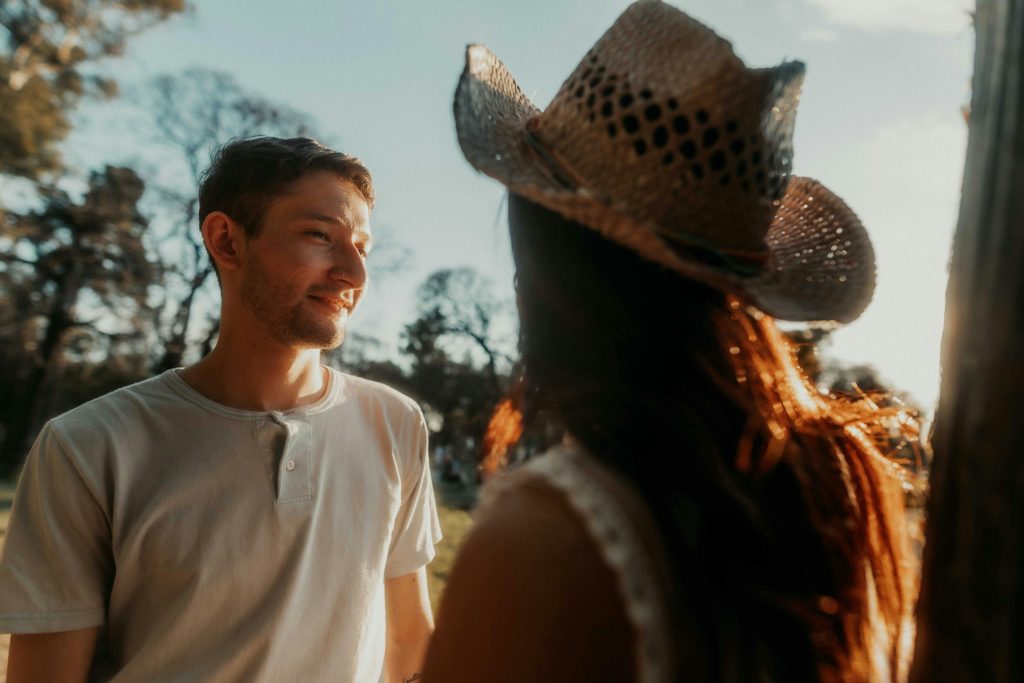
(618, 542)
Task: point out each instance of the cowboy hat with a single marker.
(664, 141)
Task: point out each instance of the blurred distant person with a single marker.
(709, 516)
(256, 516)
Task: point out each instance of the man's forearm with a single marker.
(410, 623)
(63, 657)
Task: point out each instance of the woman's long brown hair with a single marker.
(780, 513)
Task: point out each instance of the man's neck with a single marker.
(247, 376)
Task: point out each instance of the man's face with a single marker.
(305, 271)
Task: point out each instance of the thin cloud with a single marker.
(935, 17)
(819, 35)
(904, 182)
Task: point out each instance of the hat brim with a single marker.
(820, 264)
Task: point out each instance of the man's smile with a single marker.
(334, 303)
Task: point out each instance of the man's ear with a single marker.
(224, 240)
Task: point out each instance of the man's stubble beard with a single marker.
(296, 325)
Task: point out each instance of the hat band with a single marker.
(739, 262)
(558, 168)
(736, 261)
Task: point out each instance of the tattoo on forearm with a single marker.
(415, 677)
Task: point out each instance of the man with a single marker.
(256, 516)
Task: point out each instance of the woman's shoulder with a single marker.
(621, 525)
(530, 596)
(562, 531)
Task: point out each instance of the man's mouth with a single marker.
(336, 304)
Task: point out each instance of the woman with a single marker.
(709, 516)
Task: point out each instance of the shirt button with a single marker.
(290, 465)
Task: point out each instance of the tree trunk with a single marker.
(174, 347)
(971, 611)
(43, 377)
(210, 339)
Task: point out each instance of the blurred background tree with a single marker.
(44, 69)
(105, 279)
(75, 272)
(459, 365)
(79, 275)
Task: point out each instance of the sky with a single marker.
(880, 123)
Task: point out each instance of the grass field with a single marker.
(6, 497)
(454, 525)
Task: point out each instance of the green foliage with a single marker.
(458, 310)
(43, 70)
(455, 524)
(76, 274)
(96, 242)
(453, 365)
(457, 324)
(32, 119)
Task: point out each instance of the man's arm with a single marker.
(63, 657)
(410, 621)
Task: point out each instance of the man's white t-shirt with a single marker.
(215, 544)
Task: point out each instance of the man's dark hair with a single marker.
(246, 174)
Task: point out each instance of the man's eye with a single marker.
(319, 234)
(364, 251)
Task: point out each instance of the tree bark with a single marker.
(971, 610)
(44, 374)
(177, 342)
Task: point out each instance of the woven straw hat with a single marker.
(663, 141)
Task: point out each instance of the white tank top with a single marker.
(569, 471)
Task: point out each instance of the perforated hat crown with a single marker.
(662, 140)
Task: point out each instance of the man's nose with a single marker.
(349, 266)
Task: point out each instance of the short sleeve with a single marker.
(55, 565)
(417, 528)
